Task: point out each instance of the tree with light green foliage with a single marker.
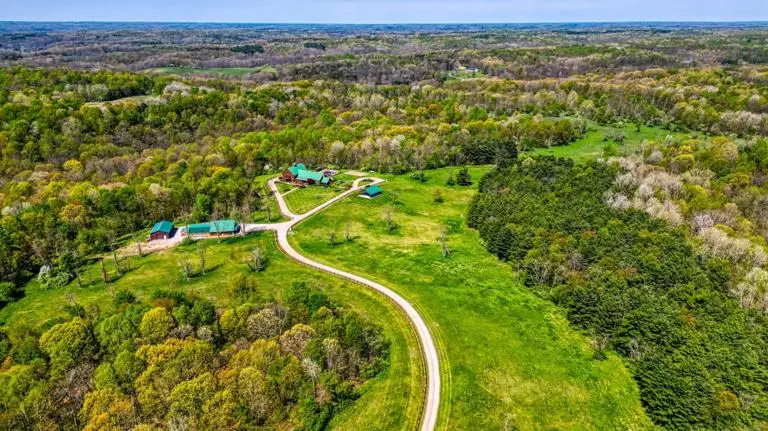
(187, 397)
(156, 324)
(68, 344)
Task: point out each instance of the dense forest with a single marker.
(642, 286)
(179, 363)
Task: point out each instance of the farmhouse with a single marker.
(312, 177)
(291, 173)
(212, 228)
(161, 230)
(299, 173)
(372, 191)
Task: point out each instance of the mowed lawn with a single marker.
(304, 199)
(391, 401)
(510, 360)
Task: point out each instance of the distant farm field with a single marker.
(601, 140)
(213, 71)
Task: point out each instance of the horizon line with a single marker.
(656, 21)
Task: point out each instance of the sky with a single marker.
(383, 11)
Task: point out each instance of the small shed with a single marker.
(161, 230)
(372, 190)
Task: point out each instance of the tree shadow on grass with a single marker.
(211, 269)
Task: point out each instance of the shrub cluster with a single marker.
(180, 362)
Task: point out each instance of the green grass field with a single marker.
(235, 72)
(306, 198)
(285, 187)
(391, 401)
(592, 145)
(510, 359)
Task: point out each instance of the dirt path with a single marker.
(429, 352)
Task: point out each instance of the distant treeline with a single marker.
(385, 54)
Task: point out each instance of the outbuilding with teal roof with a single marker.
(161, 230)
(372, 191)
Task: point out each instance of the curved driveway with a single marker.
(429, 352)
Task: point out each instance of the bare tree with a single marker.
(347, 233)
(331, 238)
(201, 255)
(243, 215)
(186, 267)
(116, 259)
(138, 245)
(313, 371)
(395, 197)
(70, 298)
(444, 242)
(257, 260)
(128, 264)
(104, 274)
(217, 226)
(77, 273)
(509, 423)
(68, 393)
(267, 323)
(389, 220)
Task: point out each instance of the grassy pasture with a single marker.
(598, 138)
(306, 198)
(509, 358)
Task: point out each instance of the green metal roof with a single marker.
(373, 190)
(310, 175)
(296, 168)
(223, 226)
(164, 226)
(325, 180)
(216, 226)
(198, 228)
